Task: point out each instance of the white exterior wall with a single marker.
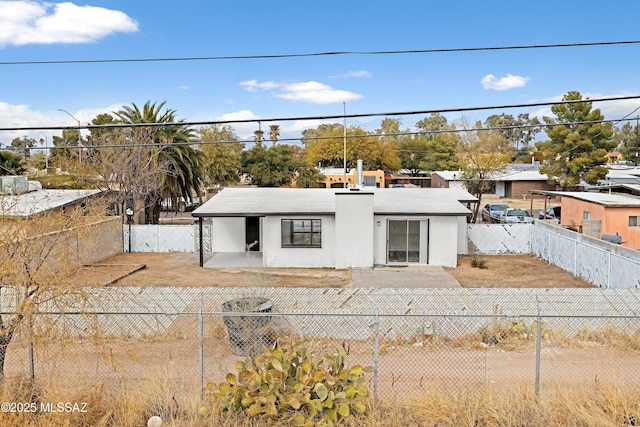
(463, 234)
(443, 241)
(229, 234)
(443, 238)
(501, 188)
(274, 255)
(353, 234)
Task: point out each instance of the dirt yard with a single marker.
(182, 269)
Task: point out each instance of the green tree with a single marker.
(65, 153)
(627, 139)
(517, 132)
(433, 125)
(578, 143)
(221, 155)
(270, 167)
(274, 134)
(325, 145)
(23, 146)
(442, 153)
(258, 136)
(390, 131)
(412, 150)
(11, 163)
(170, 156)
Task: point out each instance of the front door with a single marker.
(252, 233)
(403, 241)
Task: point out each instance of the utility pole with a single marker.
(344, 156)
(79, 136)
(637, 140)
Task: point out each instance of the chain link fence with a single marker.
(414, 339)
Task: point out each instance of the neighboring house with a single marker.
(28, 199)
(405, 177)
(341, 228)
(447, 179)
(515, 184)
(614, 157)
(334, 177)
(628, 175)
(28, 202)
(596, 214)
(631, 189)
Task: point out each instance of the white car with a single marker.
(515, 216)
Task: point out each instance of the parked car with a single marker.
(515, 216)
(491, 212)
(184, 205)
(551, 213)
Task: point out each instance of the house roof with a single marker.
(511, 174)
(605, 199)
(448, 175)
(526, 175)
(619, 188)
(317, 201)
(35, 202)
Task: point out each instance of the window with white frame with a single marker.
(634, 221)
(586, 215)
(301, 233)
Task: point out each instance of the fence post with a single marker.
(375, 357)
(609, 272)
(200, 346)
(32, 373)
(538, 336)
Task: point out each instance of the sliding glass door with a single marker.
(403, 241)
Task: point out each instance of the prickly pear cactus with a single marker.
(289, 384)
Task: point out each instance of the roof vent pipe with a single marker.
(359, 174)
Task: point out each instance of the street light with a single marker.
(129, 213)
(46, 152)
(79, 136)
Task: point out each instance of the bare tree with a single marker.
(37, 255)
(483, 155)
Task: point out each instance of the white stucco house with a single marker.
(342, 228)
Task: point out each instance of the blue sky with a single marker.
(31, 95)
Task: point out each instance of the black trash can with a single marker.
(248, 335)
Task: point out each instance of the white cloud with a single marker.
(243, 130)
(361, 73)
(311, 91)
(505, 83)
(254, 86)
(28, 22)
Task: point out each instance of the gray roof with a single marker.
(605, 199)
(523, 175)
(304, 201)
(35, 202)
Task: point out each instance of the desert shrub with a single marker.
(479, 263)
(288, 383)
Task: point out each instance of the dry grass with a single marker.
(594, 404)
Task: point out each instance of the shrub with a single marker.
(289, 384)
(479, 263)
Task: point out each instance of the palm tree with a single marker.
(258, 136)
(176, 164)
(274, 133)
(11, 163)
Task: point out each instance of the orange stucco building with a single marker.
(602, 213)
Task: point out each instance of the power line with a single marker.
(325, 117)
(320, 138)
(314, 54)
